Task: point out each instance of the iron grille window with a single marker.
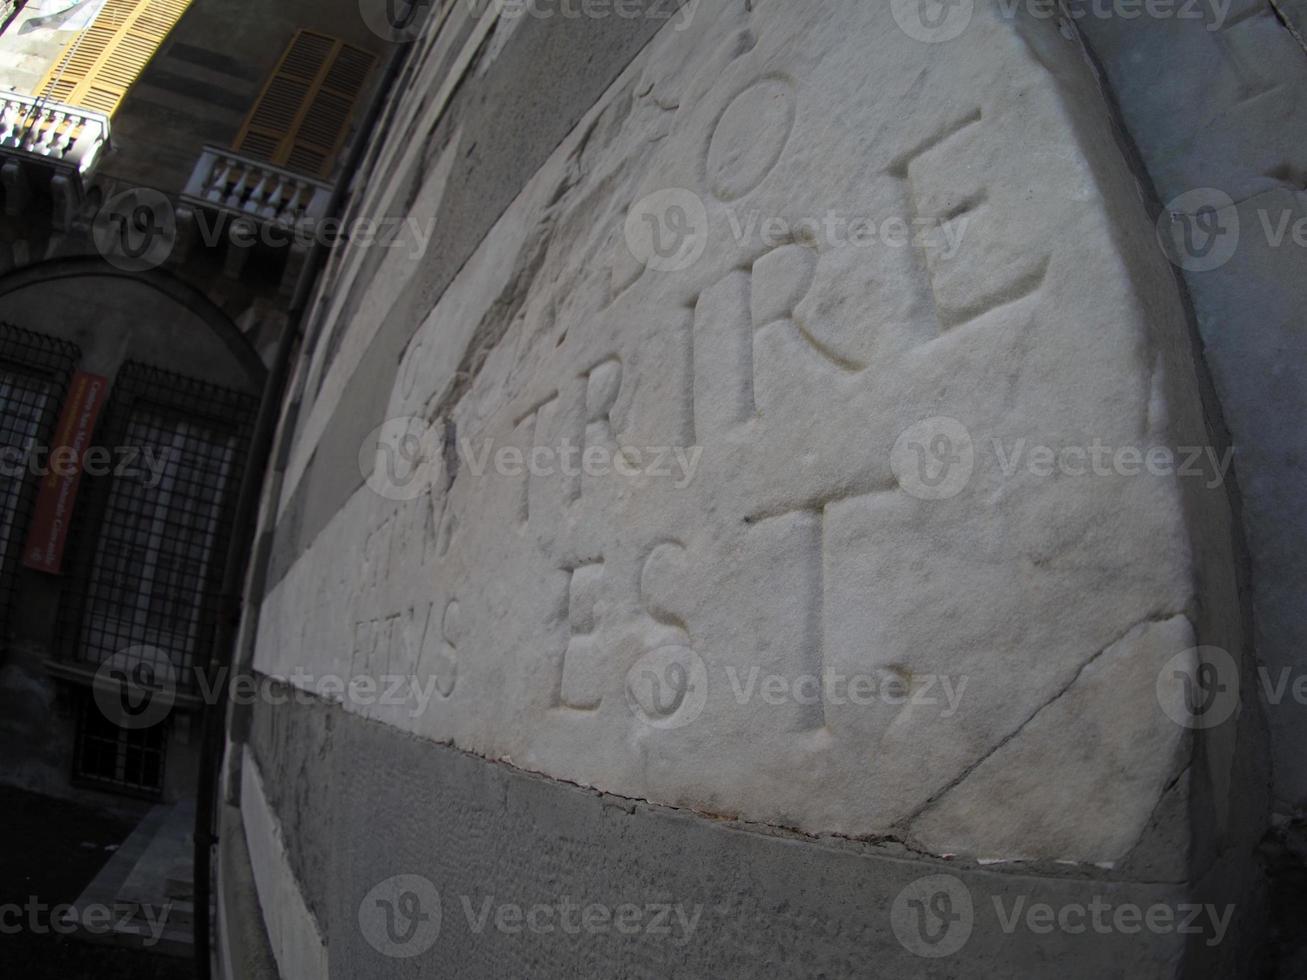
(113, 757)
(150, 535)
(34, 373)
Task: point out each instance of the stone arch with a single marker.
(46, 291)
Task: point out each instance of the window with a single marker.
(301, 118)
(111, 757)
(102, 62)
(34, 373)
(151, 536)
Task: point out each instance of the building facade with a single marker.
(166, 165)
(828, 494)
(758, 488)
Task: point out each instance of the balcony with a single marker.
(48, 144)
(253, 189)
(62, 134)
(281, 207)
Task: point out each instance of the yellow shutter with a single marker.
(300, 119)
(101, 63)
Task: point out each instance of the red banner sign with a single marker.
(54, 504)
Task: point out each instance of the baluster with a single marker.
(271, 205)
(255, 203)
(249, 177)
(67, 135)
(299, 202)
(76, 133)
(49, 133)
(39, 133)
(316, 202)
(216, 187)
(8, 119)
(29, 127)
(236, 182)
(286, 202)
(85, 141)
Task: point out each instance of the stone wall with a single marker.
(799, 456)
(1251, 166)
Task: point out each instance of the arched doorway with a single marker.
(126, 408)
